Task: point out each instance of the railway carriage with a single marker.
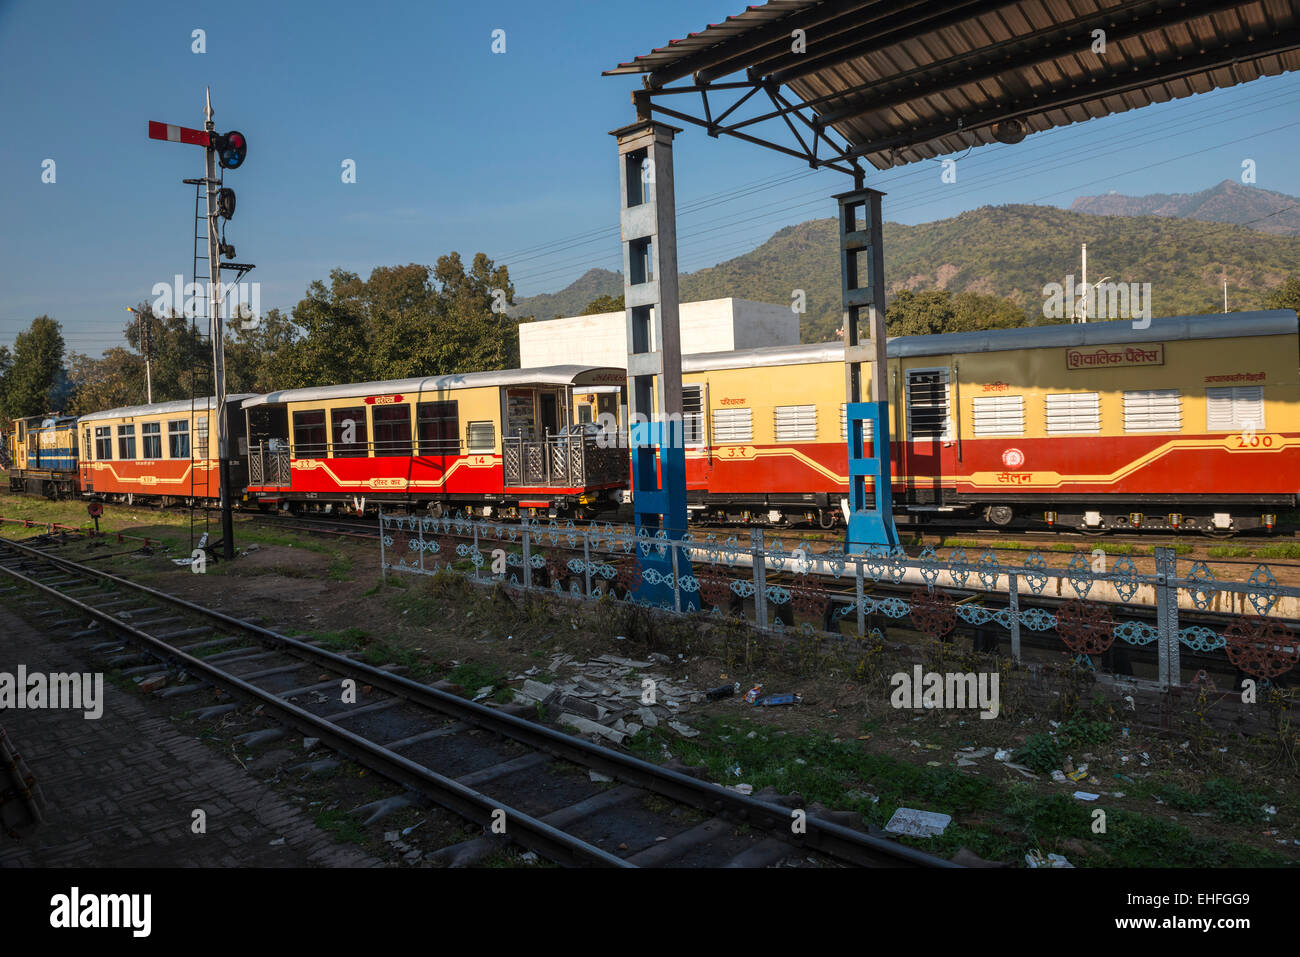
(1192, 422)
(164, 452)
(42, 456)
(493, 442)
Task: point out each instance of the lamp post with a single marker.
(145, 344)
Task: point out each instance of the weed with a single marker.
(1041, 753)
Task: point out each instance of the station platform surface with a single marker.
(120, 791)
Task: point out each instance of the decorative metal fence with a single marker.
(818, 589)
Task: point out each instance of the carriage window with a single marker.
(481, 436)
(178, 439)
(1073, 412)
(998, 415)
(1234, 409)
(1152, 410)
(439, 427)
(927, 405)
(201, 435)
(796, 423)
(103, 443)
(693, 415)
(392, 430)
(733, 425)
(126, 442)
(350, 440)
(309, 434)
(151, 439)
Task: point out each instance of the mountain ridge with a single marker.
(1011, 251)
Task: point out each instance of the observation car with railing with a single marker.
(518, 440)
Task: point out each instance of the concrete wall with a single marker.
(714, 325)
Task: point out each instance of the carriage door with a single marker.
(929, 431)
(267, 441)
(87, 473)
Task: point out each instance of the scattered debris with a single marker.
(309, 743)
(914, 823)
(599, 778)
(484, 692)
(152, 683)
(1035, 859)
(1086, 795)
(722, 691)
(752, 694)
(684, 730)
(742, 788)
(776, 699)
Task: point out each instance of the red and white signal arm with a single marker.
(177, 134)
(383, 399)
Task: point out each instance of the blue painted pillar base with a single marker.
(659, 471)
(871, 519)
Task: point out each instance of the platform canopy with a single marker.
(897, 81)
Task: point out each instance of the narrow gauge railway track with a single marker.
(366, 528)
(422, 726)
(842, 593)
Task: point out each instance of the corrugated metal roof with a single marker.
(545, 375)
(1029, 60)
(164, 408)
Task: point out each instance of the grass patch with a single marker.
(1228, 551)
(1277, 551)
(343, 826)
(340, 569)
(471, 676)
(1225, 798)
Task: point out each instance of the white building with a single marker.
(714, 325)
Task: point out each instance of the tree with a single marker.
(34, 374)
(180, 357)
(603, 304)
(934, 311)
(1284, 296)
(114, 381)
(403, 322)
(6, 363)
(255, 357)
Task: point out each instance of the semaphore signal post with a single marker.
(222, 151)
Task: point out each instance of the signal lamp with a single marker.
(231, 148)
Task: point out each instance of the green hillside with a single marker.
(1010, 251)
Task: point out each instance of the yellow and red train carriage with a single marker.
(1191, 422)
(515, 439)
(166, 451)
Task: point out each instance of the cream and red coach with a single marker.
(492, 442)
(166, 451)
(1191, 422)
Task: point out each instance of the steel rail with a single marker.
(473, 805)
(820, 835)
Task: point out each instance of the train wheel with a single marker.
(999, 515)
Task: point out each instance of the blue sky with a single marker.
(456, 148)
